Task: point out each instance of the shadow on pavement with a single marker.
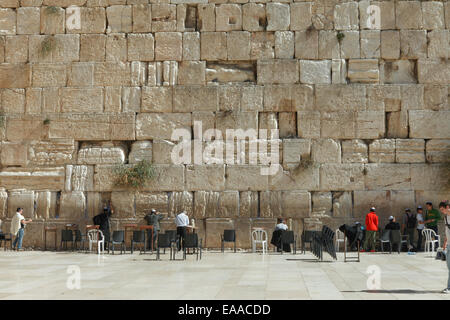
(401, 291)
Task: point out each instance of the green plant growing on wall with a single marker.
(134, 175)
(46, 121)
(340, 36)
(48, 45)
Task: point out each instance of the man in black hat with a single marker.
(409, 224)
(153, 219)
(103, 220)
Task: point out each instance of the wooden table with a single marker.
(48, 229)
(141, 228)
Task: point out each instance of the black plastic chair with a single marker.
(138, 237)
(307, 237)
(288, 237)
(164, 241)
(396, 239)
(118, 237)
(227, 236)
(191, 241)
(385, 238)
(67, 236)
(5, 237)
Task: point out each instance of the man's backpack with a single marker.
(411, 221)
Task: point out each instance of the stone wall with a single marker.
(368, 106)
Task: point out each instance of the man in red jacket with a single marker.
(371, 230)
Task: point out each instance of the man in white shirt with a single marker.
(420, 227)
(18, 223)
(182, 222)
(281, 225)
(444, 208)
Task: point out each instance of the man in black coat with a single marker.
(103, 220)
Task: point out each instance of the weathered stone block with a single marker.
(390, 44)
(428, 124)
(101, 154)
(54, 152)
(263, 44)
(413, 44)
(142, 17)
(86, 100)
(13, 154)
(363, 70)
(52, 20)
(21, 198)
(277, 71)
(217, 46)
(346, 16)
(433, 15)
(116, 47)
(287, 124)
(382, 150)
(438, 150)
(338, 125)
(409, 150)
(7, 21)
(156, 99)
(315, 72)
(326, 151)
(346, 176)
(93, 20)
(119, 18)
(380, 176)
(370, 124)
(161, 125)
(195, 98)
(112, 74)
(295, 203)
(206, 17)
(307, 44)
(433, 71)
(141, 47)
(437, 44)
(350, 45)
(168, 46)
(278, 16)
(408, 15)
(191, 46)
(254, 17)
(278, 98)
(328, 45)
(301, 15)
(370, 43)
(252, 98)
(123, 203)
(354, 151)
(228, 17)
(254, 181)
(15, 76)
(49, 75)
(430, 177)
(308, 124)
(399, 71)
(295, 177)
(13, 101)
(81, 74)
(230, 97)
(295, 149)
(72, 205)
(238, 45)
(164, 17)
(33, 179)
(28, 20)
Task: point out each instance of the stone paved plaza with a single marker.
(242, 275)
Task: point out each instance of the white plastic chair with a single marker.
(431, 238)
(259, 236)
(96, 236)
(339, 237)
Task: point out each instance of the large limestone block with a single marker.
(3, 202)
(262, 45)
(315, 72)
(438, 44)
(370, 124)
(438, 150)
(254, 17)
(288, 124)
(216, 48)
(343, 204)
(195, 98)
(16, 50)
(397, 124)
(387, 15)
(409, 150)
(191, 46)
(168, 46)
(398, 71)
(191, 73)
(408, 15)
(142, 17)
(7, 21)
(433, 71)
(162, 151)
(58, 48)
(122, 127)
(430, 177)
(370, 43)
(13, 154)
(79, 178)
(307, 44)
(328, 45)
(156, 99)
(146, 201)
(295, 177)
(428, 124)
(239, 46)
(179, 201)
(252, 98)
(205, 204)
(350, 45)
(48, 75)
(13, 101)
(284, 44)
(141, 47)
(53, 152)
(346, 176)
(228, 205)
(228, 17)
(413, 44)
(390, 44)
(161, 125)
(383, 98)
(119, 19)
(101, 154)
(81, 74)
(116, 47)
(230, 97)
(278, 16)
(28, 20)
(308, 124)
(164, 17)
(15, 76)
(382, 150)
(340, 97)
(206, 17)
(72, 205)
(322, 202)
(338, 125)
(80, 127)
(278, 98)
(301, 15)
(295, 149)
(433, 15)
(380, 199)
(254, 180)
(246, 121)
(140, 150)
(52, 20)
(363, 70)
(354, 151)
(87, 100)
(205, 177)
(248, 203)
(295, 203)
(346, 16)
(21, 198)
(92, 47)
(33, 179)
(434, 196)
(280, 71)
(381, 176)
(93, 20)
(270, 204)
(45, 204)
(326, 151)
(229, 72)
